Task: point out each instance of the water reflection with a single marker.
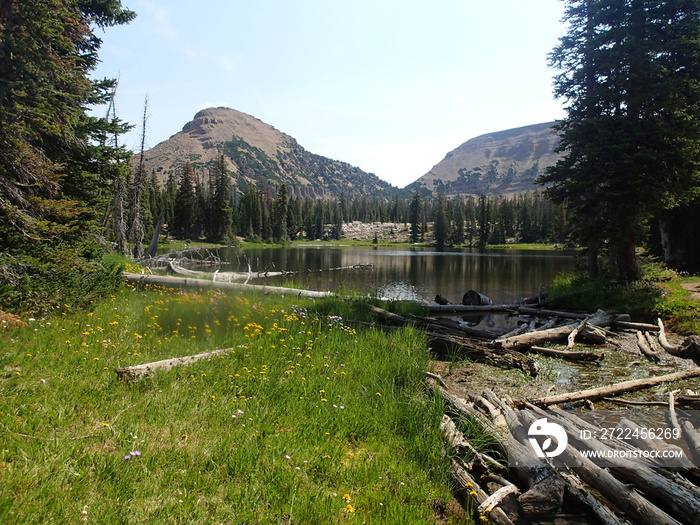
(505, 276)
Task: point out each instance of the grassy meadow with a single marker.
(304, 420)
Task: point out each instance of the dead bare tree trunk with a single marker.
(619, 388)
(135, 224)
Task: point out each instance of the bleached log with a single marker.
(178, 282)
(527, 310)
(624, 496)
(137, 372)
(472, 308)
(489, 504)
(618, 388)
(681, 501)
(540, 337)
(627, 325)
(471, 489)
(504, 358)
(640, 439)
(570, 338)
(644, 347)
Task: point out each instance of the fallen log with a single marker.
(572, 335)
(627, 325)
(500, 357)
(641, 440)
(137, 372)
(471, 309)
(623, 496)
(545, 493)
(461, 447)
(560, 333)
(646, 350)
(688, 349)
(550, 313)
(464, 409)
(576, 489)
(440, 342)
(469, 488)
(683, 502)
(489, 504)
(178, 282)
(581, 357)
(618, 388)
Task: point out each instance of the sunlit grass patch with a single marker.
(301, 411)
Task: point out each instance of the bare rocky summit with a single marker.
(498, 163)
(257, 152)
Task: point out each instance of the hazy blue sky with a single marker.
(389, 86)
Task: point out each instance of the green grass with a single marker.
(658, 295)
(305, 420)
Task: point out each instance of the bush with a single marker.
(44, 278)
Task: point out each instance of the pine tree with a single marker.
(441, 221)
(414, 218)
(279, 214)
(631, 138)
(185, 202)
(222, 210)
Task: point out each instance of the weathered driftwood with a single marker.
(441, 342)
(462, 448)
(646, 350)
(622, 495)
(178, 282)
(688, 349)
(500, 357)
(489, 504)
(470, 489)
(642, 441)
(627, 325)
(618, 388)
(459, 446)
(467, 410)
(550, 313)
(573, 486)
(520, 329)
(682, 502)
(589, 333)
(137, 372)
(546, 488)
(581, 357)
(572, 335)
(472, 309)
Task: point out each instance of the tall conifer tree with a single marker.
(629, 72)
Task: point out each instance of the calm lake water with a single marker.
(506, 276)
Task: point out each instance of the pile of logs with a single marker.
(610, 491)
(582, 490)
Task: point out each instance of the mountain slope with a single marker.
(496, 163)
(257, 152)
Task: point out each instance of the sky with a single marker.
(389, 86)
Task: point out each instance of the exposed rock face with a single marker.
(496, 163)
(257, 152)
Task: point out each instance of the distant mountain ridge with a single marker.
(257, 152)
(500, 163)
